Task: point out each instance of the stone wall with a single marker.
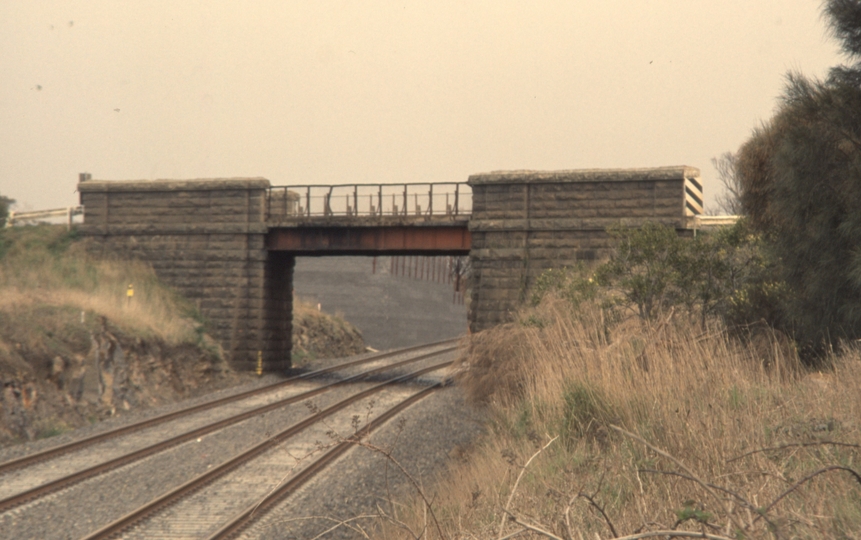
(524, 222)
(207, 240)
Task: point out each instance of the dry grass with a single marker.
(661, 427)
(43, 265)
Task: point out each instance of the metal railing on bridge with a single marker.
(425, 200)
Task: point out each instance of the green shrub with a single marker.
(648, 268)
(728, 273)
(801, 186)
(5, 203)
(585, 410)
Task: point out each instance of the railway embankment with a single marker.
(83, 339)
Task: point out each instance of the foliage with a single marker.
(726, 273)
(574, 286)
(801, 186)
(5, 204)
(660, 428)
(646, 268)
(48, 265)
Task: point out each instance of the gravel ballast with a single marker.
(427, 432)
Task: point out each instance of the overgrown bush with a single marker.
(5, 203)
(727, 273)
(47, 265)
(800, 175)
(659, 428)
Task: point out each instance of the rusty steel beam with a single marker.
(382, 240)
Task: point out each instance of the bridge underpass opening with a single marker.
(349, 268)
(394, 301)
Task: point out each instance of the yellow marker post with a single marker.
(129, 293)
(259, 362)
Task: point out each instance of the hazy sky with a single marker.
(374, 91)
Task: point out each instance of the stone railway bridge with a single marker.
(229, 245)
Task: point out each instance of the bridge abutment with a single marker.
(526, 222)
(206, 239)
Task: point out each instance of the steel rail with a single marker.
(256, 510)
(137, 426)
(60, 483)
(193, 485)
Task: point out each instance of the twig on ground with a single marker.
(531, 527)
(516, 483)
(794, 445)
(514, 534)
(338, 523)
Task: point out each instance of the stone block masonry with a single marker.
(211, 241)
(525, 222)
(206, 239)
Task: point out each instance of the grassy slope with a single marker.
(60, 308)
(709, 404)
(74, 349)
(45, 265)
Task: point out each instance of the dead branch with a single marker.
(338, 523)
(803, 481)
(794, 445)
(512, 535)
(600, 509)
(531, 527)
(671, 533)
(400, 523)
(684, 467)
(516, 483)
(388, 455)
(729, 492)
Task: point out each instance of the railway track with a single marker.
(21, 466)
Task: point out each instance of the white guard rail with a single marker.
(19, 218)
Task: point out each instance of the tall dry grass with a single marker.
(658, 427)
(47, 265)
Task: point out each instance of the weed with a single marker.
(46, 265)
(51, 431)
(649, 414)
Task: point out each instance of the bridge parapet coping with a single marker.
(199, 184)
(585, 175)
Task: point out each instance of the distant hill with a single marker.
(390, 311)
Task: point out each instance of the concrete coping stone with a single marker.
(197, 184)
(680, 172)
